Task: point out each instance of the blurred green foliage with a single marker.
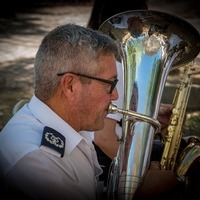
(192, 125)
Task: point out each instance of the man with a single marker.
(42, 153)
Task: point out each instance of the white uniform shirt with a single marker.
(41, 171)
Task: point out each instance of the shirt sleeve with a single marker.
(41, 177)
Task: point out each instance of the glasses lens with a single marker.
(113, 85)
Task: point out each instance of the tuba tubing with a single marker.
(153, 43)
(136, 116)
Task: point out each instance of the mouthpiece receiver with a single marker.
(137, 116)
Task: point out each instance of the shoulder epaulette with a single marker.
(53, 141)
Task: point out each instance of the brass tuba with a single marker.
(153, 43)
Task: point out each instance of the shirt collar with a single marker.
(49, 118)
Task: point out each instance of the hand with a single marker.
(164, 115)
(158, 184)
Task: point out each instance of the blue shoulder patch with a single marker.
(53, 140)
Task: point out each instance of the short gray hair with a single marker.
(68, 48)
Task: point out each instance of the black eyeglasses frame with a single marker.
(112, 83)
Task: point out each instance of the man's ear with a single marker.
(67, 82)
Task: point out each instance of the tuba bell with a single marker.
(153, 43)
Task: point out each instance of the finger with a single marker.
(165, 109)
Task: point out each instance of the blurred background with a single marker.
(23, 25)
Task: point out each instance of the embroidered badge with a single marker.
(53, 140)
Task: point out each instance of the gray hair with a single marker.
(68, 48)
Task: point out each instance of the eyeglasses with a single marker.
(112, 83)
